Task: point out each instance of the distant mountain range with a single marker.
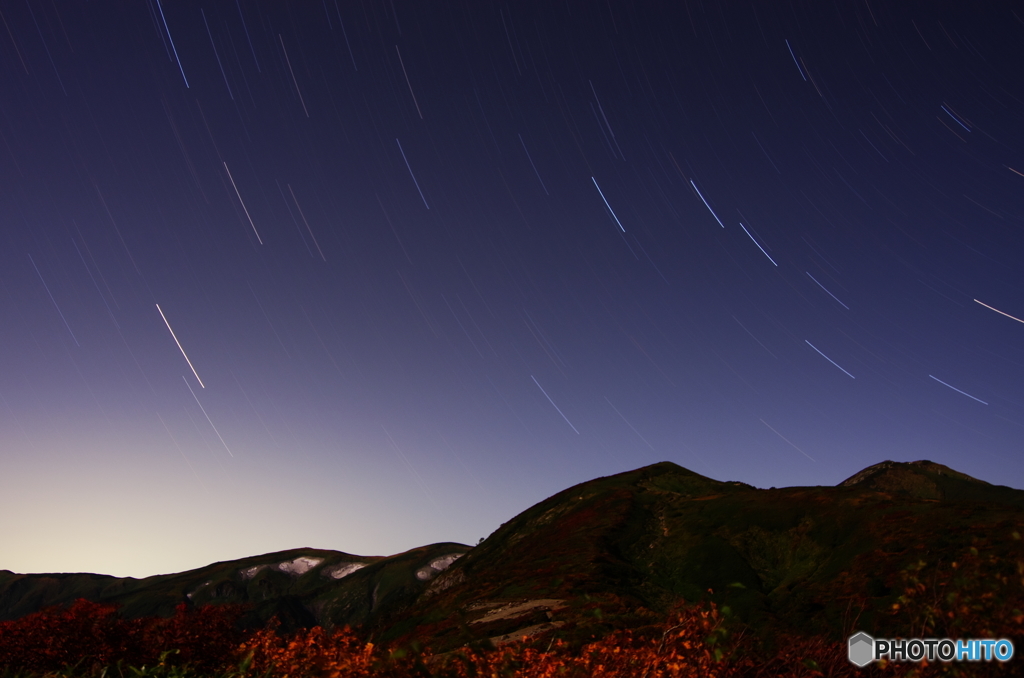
(608, 553)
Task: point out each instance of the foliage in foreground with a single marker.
(976, 596)
(88, 635)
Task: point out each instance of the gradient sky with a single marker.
(434, 262)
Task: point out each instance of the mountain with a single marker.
(611, 552)
(807, 559)
(302, 587)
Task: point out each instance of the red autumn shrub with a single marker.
(693, 645)
(90, 634)
(54, 637)
(205, 637)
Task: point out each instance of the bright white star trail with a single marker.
(958, 390)
(758, 245)
(607, 205)
(706, 204)
(826, 291)
(175, 337)
(829, 359)
(553, 404)
(999, 312)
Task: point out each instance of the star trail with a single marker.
(416, 250)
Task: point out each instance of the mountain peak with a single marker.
(922, 479)
(922, 466)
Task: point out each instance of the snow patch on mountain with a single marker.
(436, 566)
(342, 570)
(250, 572)
(299, 566)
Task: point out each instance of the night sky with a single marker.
(368, 275)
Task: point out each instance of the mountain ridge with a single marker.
(606, 553)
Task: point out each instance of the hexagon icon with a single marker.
(861, 649)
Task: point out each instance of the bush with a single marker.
(88, 635)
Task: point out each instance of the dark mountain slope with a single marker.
(800, 558)
(612, 552)
(302, 587)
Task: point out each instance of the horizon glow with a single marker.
(384, 327)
